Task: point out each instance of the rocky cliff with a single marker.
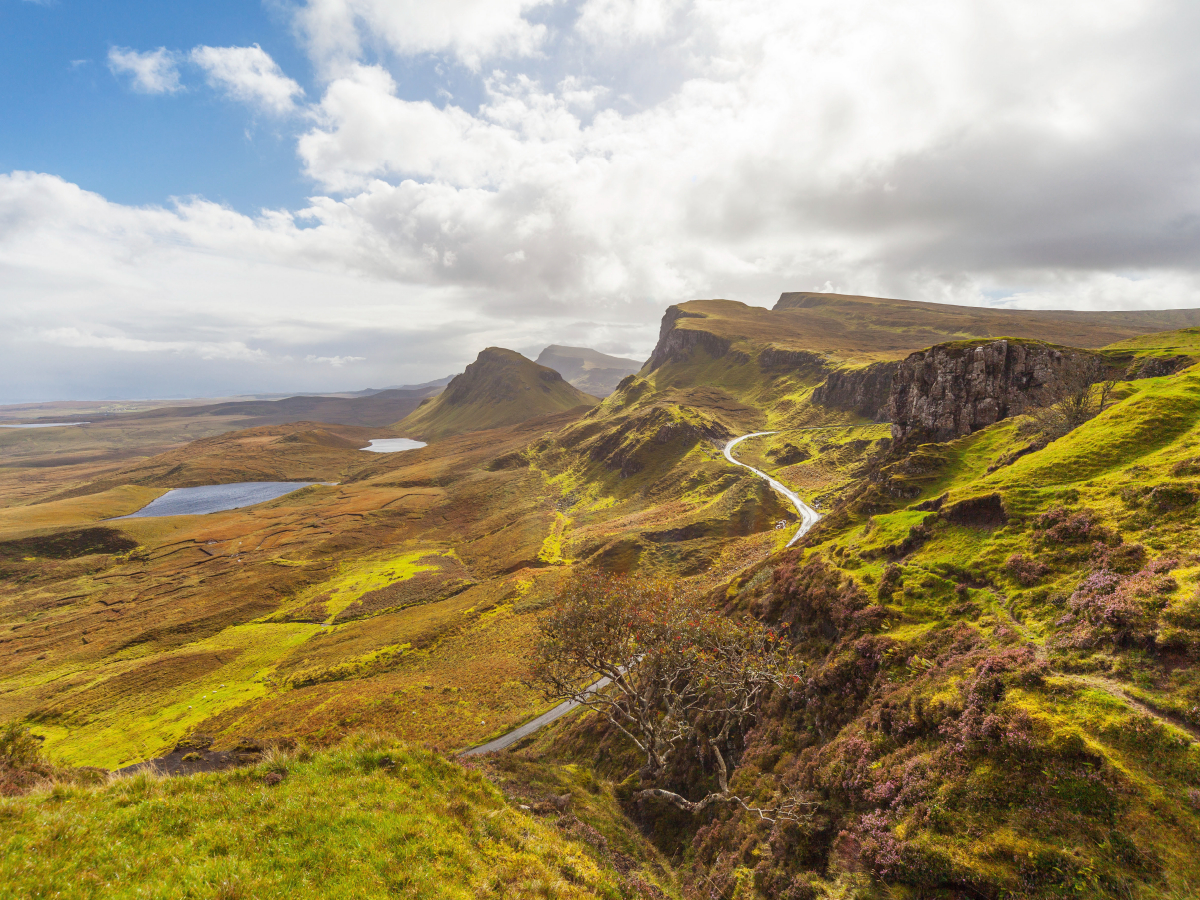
(676, 344)
(864, 391)
(953, 389)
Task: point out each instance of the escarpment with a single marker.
(866, 391)
(953, 389)
(676, 344)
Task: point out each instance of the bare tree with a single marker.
(666, 671)
(1079, 394)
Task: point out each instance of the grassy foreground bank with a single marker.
(373, 818)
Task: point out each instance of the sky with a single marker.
(315, 195)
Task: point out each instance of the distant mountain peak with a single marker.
(500, 388)
(589, 370)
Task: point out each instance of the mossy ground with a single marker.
(1085, 780)
(372, 818)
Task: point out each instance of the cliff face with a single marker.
(950, 390)
(678, 343)
(863, 391)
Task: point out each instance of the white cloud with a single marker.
(336, 361)
(338, 32)
(250, 75)
(151, 72)
(609, 20)
(208, 350)
(641, 153)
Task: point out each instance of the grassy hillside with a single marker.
(373, 818)
(1001, 695)
(1185, 342)
(500, 388)
(402, 598)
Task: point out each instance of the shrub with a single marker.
(1063, 526)
(1168, 497)
(1186, 467)
(18, 748)
(816, 601)
(891, 581)
(1111, 608)
(1025, 571)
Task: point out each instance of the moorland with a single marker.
(994, 627)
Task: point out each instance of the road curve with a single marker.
(808, 515)
(808, 518)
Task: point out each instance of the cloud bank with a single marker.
(629, 154)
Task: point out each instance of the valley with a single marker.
(994, 624)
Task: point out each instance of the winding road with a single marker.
(808, 515)
(808, 518)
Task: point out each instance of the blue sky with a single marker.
(66, 113)
(207, 198)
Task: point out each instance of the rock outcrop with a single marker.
(677, 344)
(951, 390)
(865, 392)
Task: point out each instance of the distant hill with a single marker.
(589, 370)
(501, 387)
(379, 408)
(874, 324)
(436, 383)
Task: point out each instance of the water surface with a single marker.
(210, 498)
(393, 445)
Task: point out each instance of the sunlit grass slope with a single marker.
(370, 819)
(1000, 646)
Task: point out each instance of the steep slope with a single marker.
(500, 388)
(1000, 692)
(589, 370)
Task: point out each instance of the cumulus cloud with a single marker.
(635, 153)
(250, 75)
(150, 71)
(338, 32)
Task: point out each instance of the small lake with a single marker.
(393, 445)
(48, 425)
(210, 498)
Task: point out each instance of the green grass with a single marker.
(1186, 341)
(370, 819)
(137, 724)
(1157, 414)
(357, 578)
